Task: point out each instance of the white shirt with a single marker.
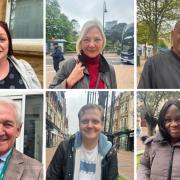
(3, 159)
(88, 161)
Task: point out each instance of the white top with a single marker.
(88, 163)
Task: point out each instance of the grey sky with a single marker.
(122, 11)
(74, 101)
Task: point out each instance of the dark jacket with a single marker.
(107, 75)
(160, 161)
(161, 71)
(62, 164)
(57, 55)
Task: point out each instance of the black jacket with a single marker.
(57, 55)
(62, 164)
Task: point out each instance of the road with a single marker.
(124, 72)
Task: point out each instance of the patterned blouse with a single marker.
(13, 80)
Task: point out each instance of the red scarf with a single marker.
(92, 65)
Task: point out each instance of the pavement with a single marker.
(124, 72)
(125, 162)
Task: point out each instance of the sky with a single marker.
(74, 101)
(122, 11)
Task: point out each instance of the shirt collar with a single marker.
(3, 157)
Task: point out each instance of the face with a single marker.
(90, 125)
(92, 42)
(176, 40)
(9, 129)
(172, 124)
(4, 44)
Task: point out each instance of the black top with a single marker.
(161, 71)
(13, 80)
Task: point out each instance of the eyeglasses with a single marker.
(93, 121)
(88, 40)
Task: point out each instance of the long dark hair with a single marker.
(5, 27)
(161, 120)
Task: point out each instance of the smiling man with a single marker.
(13, 164)
(162, 71)
(87, 155)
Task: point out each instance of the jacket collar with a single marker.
(103, 145)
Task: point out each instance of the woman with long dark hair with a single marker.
(14, 74)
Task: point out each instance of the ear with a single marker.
(18, 131)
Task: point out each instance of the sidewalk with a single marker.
(126, 164)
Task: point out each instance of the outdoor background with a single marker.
(64, 19)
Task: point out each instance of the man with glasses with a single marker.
(87, 155)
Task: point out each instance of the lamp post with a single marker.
(104, 11)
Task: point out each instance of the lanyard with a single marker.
(5, 165)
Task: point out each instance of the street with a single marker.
(125, 162)
(124, 72)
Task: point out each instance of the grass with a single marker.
(121, 178)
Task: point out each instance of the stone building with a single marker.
(56, 121)
(25, 21)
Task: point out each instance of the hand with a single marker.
(76, 75)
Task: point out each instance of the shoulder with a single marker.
(28, 161)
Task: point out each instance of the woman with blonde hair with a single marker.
(89, 70)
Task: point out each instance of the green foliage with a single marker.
(162, 43)
(157, 14)
(58, 25)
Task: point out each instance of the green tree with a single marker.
(149, 104)
(156, 14)
(57, 24)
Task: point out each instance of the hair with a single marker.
(161, 120)
(177, 24)
(14, 106)
(5, 27)
(91, 106)
(86, 27)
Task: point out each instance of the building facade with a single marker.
(56, 121)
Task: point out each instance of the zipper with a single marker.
(171, 163)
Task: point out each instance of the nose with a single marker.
(91, 43)
(174, 123)
(1, 130)
(90, 124)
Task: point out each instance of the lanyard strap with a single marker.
(5, 165)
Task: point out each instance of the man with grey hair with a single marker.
(13, 164)
(162, 71)
(87, 155)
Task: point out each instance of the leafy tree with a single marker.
(156, 14)
(57, 24)
(149, 106)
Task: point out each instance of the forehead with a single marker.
(2, 31)
(90, 113)
(7, 112)
(172, 109)
(93, 31)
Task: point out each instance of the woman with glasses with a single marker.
(14, 74)
(89, 70)
(162, 152)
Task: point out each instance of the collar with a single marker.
(103, 144)
(3, 157)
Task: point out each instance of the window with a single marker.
(26, 19)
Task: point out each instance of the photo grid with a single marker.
(89, 90)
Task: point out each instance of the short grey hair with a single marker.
(86, 27)
(91, 106)
(16, 108)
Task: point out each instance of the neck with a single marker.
(4, 68)
(89, 144)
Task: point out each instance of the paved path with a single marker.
(126, 164)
